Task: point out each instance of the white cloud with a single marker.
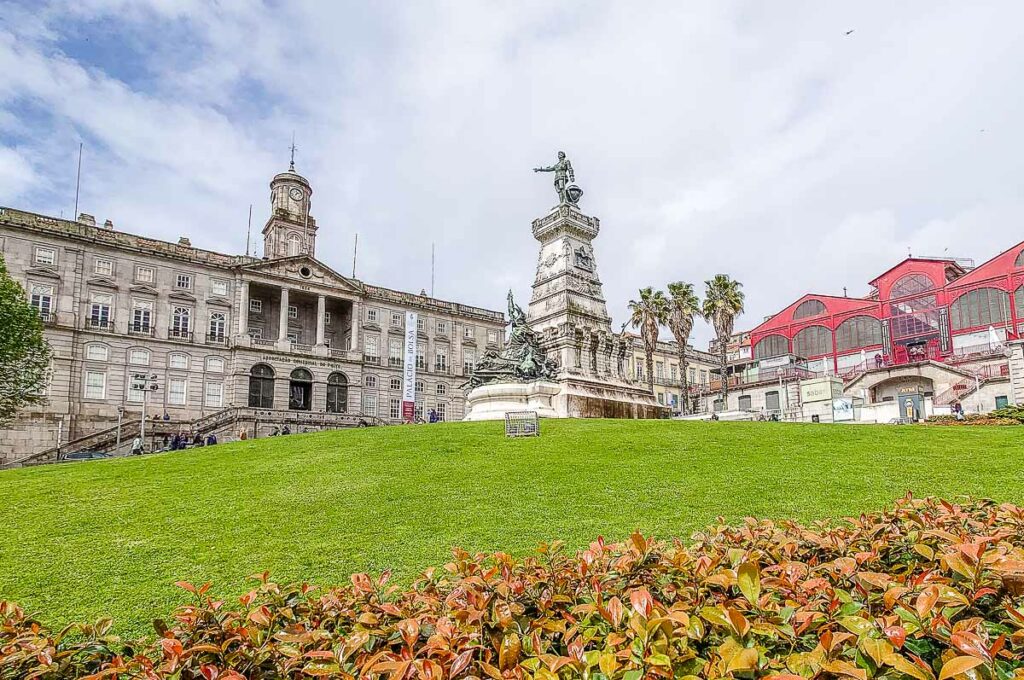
(753, 139)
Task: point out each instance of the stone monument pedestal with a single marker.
(491, 401)
(583, 397)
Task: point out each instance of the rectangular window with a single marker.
(135, 395)
(45, 255)
(293, 312)
(675, 372)
(42, 300)
(442, 412)
(659, 370)
(745, 402)
(219, 287)
(95, 385)
(103, 267)
(661, 398)
(96, 353)
(421, 361)
(293, 337)
(327, 318)
(396, 319)
(371, 349)
(144, 274)
(99, 311)
(256, 306)
(395, 409)
(395, 352)
(371, 315)
(184, 281)
(467, 332)
(442, 327)
(176, 391)
(421, 324)
(693, 375)
(468, 361)
(370, 404)
(214, 394)
(441, 360)
(492, 337)
(703, 377)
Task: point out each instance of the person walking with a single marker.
(137, 446)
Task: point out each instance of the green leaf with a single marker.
(748, 577)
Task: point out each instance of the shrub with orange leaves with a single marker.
(927, 590)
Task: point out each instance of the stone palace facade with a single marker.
(276, 339)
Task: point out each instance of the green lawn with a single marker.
(110, 537)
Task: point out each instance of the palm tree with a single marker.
(723, 302)
(648, 315)
(683, 307)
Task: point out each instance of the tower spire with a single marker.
(291, 165)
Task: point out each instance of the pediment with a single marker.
(179, 295)
(101, 282)
(143, 290)
(304, 269)
(42, 272)
(218, 301)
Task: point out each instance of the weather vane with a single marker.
(291, 166)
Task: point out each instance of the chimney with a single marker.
(108, 225)
(183, 241)
(86, 219)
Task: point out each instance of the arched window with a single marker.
(294, 244)
(857, 332)
(261, 386)
(218, 325)
(771, 346)
(911, 284)
(812, 341)
(1019, 262)
(1018, 302)
(337, 393)
(178, 360)
(214, 365)
(809, 308)
(302, 375)
(980, 307)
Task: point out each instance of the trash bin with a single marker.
(815, 418)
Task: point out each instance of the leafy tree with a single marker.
(683, 307)
(24, 353)
(723, 302)
(649, 314)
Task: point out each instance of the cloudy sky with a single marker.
(758, 139)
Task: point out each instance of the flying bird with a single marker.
(850, 31)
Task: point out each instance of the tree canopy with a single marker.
(24, 353)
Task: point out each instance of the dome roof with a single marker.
(290, 176)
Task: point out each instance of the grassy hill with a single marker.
(110, 537)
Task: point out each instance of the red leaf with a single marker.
(460, 663)
(897, 635)
(641, 600)
(186, 586)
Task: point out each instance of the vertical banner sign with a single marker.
(409, 369)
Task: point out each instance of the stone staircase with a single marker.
(224, 423)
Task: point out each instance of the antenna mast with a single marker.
(355, 249)
(78, 181)
(248, 231)
(431, 269)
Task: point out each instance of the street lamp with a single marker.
(146, 383)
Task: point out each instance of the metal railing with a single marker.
(99, 324)
(141, 329)
(216, 338)
(179, 334)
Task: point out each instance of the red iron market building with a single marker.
(935, 324)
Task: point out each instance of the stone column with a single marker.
(282, 331)
(243, 308)
(356, 320)
(321, 305)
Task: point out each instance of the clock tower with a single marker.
(290, 230)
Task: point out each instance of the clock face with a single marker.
(295, 194)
